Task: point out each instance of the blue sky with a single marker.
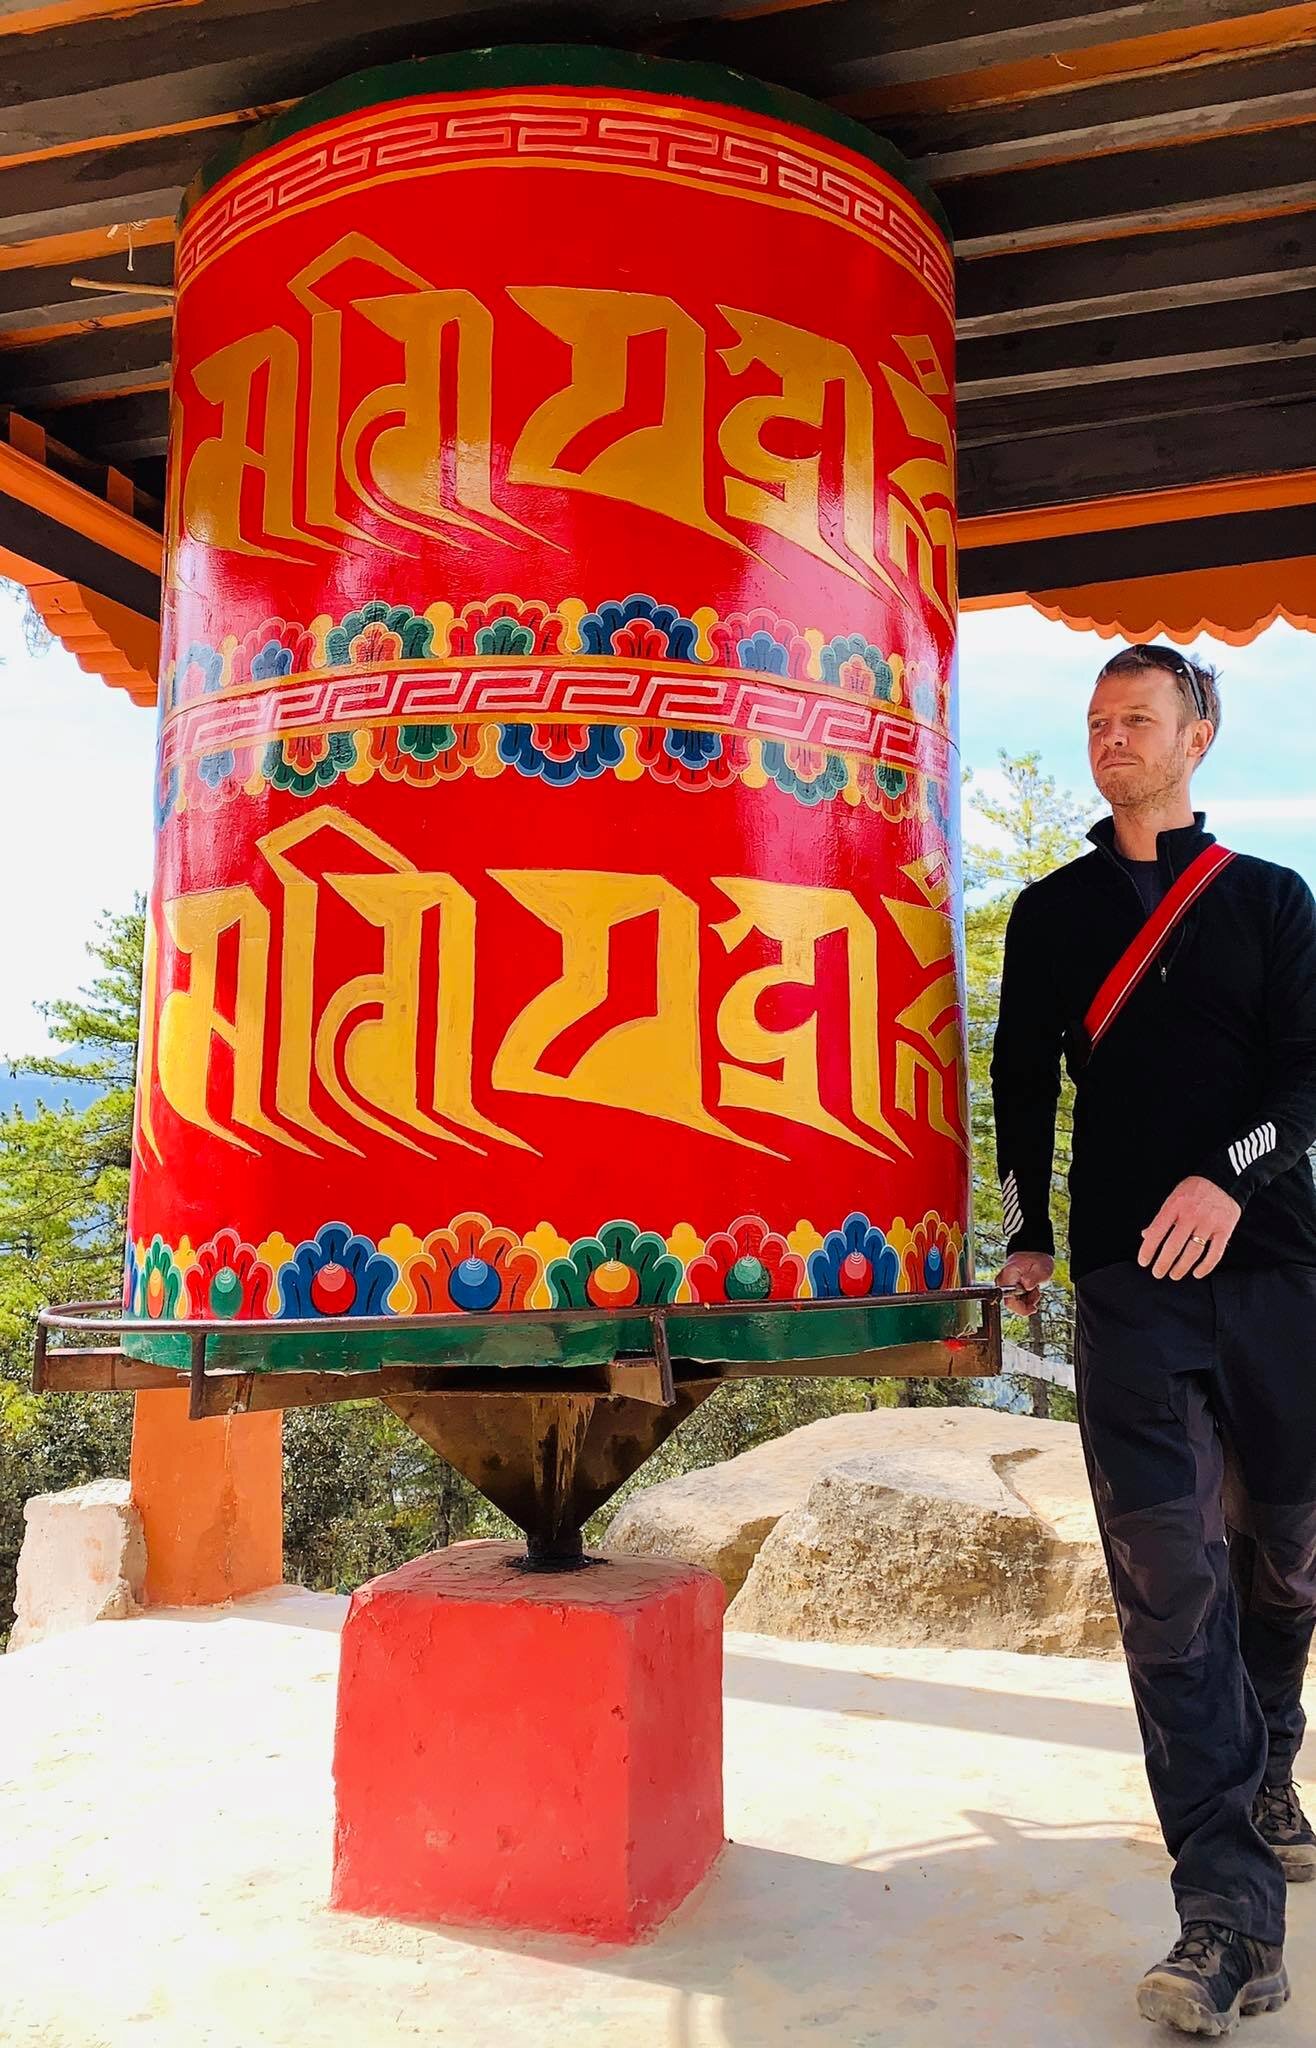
(75, 771)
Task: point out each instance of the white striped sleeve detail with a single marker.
(1012, 1216)
(1244, 1152)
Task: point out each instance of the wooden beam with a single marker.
(85, 1371)
(1109, 49)
(1193, 267)
(1154, 507)
(1136, 551)
(100, 314)
(1140, 191)
(1238, 333)
(1198, 401)
(73, 250)
(84, 78)
(857, 53)
(1162, 108)
(1100, 460)
(94, 360)
(122, 429)
(39, 297)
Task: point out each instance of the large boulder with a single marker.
(923, 1525)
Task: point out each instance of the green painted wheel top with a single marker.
(568, 64)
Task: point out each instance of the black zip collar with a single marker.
(1174, 849)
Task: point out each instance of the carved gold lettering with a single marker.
(379, 1053)
(786, 492)
(216, 481)
(797, 918)
(145, 1132)
(921, 502)
(398, 471)
(659, 467)
(191, 1021)
(934, 1019)
(648, 1063)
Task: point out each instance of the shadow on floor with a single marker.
(1016, 1931)
(1080, 1724)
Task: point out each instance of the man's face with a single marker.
(1139, 751)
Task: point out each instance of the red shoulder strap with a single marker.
(1132, 964)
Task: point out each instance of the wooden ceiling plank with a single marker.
(1168, 547)
(132, 428)
(1039, 414)
(1043, 72)
(79, 215)
(1136, 341)
(1102, 139)
(870, 45)
(1128, 371)
(1096, 460)
(1272, 203)
(17, 19)
(108, 314)
(43, 296)
(127, 345)
(88, 135)
(78, 391)
(75, 250)
(1216, 291)
(1046, 122)
(1048, 286)
(1154, 184)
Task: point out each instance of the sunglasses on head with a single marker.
(1169, 658)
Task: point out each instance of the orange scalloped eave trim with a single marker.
(1233, 605)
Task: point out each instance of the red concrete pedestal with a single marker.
(526, 1751)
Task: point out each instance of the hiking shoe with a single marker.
(1280, 1821)
(1211, 1975)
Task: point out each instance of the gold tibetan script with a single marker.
(413, 452)
(257, 1046)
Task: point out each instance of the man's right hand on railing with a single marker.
(1022, 1278)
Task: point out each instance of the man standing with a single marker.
(1180, 984)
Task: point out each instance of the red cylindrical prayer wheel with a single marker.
(556, 895)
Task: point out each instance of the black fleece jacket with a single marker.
(1209, 1069)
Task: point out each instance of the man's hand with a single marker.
(1189, 1231)
(1023, 1276)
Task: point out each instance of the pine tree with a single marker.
(64, 1169)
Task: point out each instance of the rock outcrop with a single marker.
(959, 1525)
(83, 1559)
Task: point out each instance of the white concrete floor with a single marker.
(928, 1847)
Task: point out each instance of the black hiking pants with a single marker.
(1197, 1405)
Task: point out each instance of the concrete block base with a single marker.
(83, 1559)
(541, 1752)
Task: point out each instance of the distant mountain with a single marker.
(25, 1091)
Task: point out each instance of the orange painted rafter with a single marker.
(84, 143)
(95, 323)
(1141, 508)
(1036, 77)
(106, 390)
(86, 245)
(34, 21)
(44, 490)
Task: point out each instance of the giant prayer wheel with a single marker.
(556, 898)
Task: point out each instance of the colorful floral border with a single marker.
(472, 1265)
(558, 755)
